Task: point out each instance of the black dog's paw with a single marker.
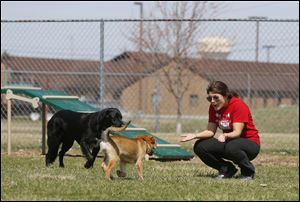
(89, 164)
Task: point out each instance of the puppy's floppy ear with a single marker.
(146, 138)
(143, 137)
(151, 140)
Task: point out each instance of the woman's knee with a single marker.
(199, 147)
(205, 146)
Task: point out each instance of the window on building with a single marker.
(194, 100)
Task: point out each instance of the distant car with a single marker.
(34, 116)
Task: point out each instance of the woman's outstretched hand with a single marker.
(187, 137)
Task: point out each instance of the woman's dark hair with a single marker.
(220, 88)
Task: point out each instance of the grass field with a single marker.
(24, 176)
(267, 120)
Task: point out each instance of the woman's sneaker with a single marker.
(226, 175)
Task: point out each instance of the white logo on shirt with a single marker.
(224, 124)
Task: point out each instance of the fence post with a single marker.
(249, 89)
(101, 94)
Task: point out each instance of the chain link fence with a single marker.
(155, 71)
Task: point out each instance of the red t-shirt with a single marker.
(236, 111)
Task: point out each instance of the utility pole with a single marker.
(140, 50)
(268, 47)
(141, 23)
(102, 72)
(257, 19)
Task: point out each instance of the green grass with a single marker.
(280, 144)
(266, 120)
(26, 178)
(277, 120)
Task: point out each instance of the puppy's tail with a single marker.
(108, 131)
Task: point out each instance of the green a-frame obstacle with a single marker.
(60, 100)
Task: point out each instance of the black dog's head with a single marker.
(115, 117)
(110, 117)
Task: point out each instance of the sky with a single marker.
(72, 39)
(54, 10)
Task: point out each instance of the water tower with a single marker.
(214, 47)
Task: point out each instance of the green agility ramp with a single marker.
(54, 98)
(165, 151)
(60, 100)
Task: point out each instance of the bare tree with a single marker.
(173, 41)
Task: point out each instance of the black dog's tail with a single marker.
(54, 131)
(108, 131)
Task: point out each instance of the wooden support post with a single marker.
(8, 126)
(9, 96)
(44, 128)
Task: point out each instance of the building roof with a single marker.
(120, 72)
(256, 76)
(129, 67)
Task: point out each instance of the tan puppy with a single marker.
(126, 150)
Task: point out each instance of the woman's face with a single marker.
(217, 100)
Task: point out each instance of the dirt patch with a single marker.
(24, 153)
(270, 159)
(38, 153)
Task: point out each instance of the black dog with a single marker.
(86, 128)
